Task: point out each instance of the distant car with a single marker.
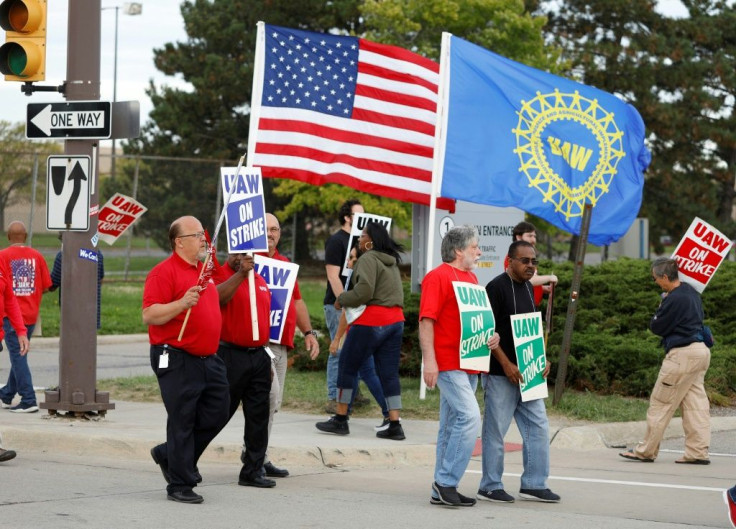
(665, 239)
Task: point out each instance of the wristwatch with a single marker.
(312, 332)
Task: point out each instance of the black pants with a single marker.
(197, 400)
(249, 375)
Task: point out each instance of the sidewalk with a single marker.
(131, 429)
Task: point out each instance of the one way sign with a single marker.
(78, 120)
(68, 193)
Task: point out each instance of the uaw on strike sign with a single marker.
(117, 215)
(246, 209)
(281, 279)
(700, 252)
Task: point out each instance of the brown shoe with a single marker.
(7, 455)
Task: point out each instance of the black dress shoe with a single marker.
(164, 467)
(275, 472)
(185, 496)
(257, 481)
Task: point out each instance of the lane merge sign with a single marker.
(78, 120)
(68, 192)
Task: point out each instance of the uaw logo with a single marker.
(569, 148)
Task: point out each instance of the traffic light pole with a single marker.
(77, 391)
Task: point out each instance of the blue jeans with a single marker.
(19, 378)
(384, 344)
(502, 402)
(459, 425)
(332, 319)
(368, 374)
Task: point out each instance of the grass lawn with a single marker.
(305, 393)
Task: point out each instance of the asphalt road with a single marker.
(54, 490)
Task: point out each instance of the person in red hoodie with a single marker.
(30, 280)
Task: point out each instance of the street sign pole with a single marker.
(77, 391)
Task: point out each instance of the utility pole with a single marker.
(77, 391)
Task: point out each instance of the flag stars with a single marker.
(318, 75)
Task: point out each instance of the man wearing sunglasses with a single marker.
(191, 376)
(511, 293)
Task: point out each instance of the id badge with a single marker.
(163, 361)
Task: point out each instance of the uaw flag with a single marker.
(513, 135)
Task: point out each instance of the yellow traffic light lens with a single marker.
(18, 15)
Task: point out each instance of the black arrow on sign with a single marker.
(76, 176)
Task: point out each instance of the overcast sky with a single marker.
(160, 22)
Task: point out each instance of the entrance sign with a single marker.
(476, 326)
(359, 222)
(281, 279)
(117, 215)
(76, 120)
(68, 193)
(530, 356)
(700, 252)
(246, 211)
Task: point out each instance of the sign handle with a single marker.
(189, 310)
(548, 314)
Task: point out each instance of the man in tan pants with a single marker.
(679, 321)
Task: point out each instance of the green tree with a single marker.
(17, 156)
(681, 76)
(209, 117)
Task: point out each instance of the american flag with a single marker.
(336, 109)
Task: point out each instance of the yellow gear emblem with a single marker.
(535, 116)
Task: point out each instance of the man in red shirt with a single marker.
(190, 375)
(30, 280)
(439, 338)
(296, 316)
(248, 363)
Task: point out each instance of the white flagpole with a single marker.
(438, 162)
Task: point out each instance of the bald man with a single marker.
(191, 377)
(30, 279)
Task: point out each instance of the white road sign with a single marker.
(68, 193)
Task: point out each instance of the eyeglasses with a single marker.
(274, 229)
(198, 235)
(526, 260)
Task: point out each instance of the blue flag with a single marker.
(518, 136)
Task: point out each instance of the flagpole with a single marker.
(577, 276)
(255, 104)
(438, 163)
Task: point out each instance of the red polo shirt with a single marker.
(236, 316)
(167, 282)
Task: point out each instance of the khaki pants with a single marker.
(680, 383)
(280, 363)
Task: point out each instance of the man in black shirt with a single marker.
(511, 293)
(336, 249)
(679, 321)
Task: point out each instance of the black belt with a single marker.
(241, 348)
(169, 349)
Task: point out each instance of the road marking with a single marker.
(709, 453)
(618, 482)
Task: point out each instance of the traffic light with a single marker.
(23, 56)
